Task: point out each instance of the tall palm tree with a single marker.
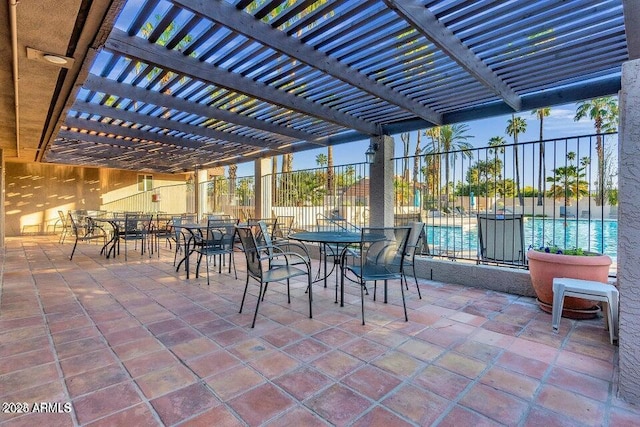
(541, 113)
(453, 139)
(604, 113)
(233, 176)
(406, 140)
(515, 126)
(330, 172)
(416, 158)
(321, 159)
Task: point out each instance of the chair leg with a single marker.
(73, 250)
(404, 304)
(255, 315)
(310, 298)
(206, 261)
(362, 299)
(413, 266)
(244, 295)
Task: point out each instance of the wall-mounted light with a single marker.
(370, 154)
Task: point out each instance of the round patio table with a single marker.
(341, 240)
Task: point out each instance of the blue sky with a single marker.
(558, 125)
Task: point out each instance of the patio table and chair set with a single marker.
(272, 250)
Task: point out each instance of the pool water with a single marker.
(595, 236)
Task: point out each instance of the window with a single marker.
(145, 182)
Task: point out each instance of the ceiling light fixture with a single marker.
(55, 59)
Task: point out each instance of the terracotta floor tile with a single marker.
(336, 364)
(184, 403)
(380, 417)
(233, 382)
(23, 346)
(162, 381)
(139, 415)
(165, 326)
(461, 364)
(372, 382)
(585, 364)
(572, 405)
(364, 349)
(149, 362)
(274, 363)
(250, 349)
(215, 326)
(420, 406)
(297, 417)
(523, 365)
(421, 350)
(306, 350)
(494, 404)
(338, 405)
(28, 378)
(218, 416)
(303, 383)
(26, 360)
(543, 417)
(96, 379)
(213, 363)
(40, 419)
(79, 347)
(460, 416)
(533, 350)
(229, 336)
(334, 337)
(586, 385)
(510, 382)
(397, 363)
(87, 362)
(261, 404)
(104, 402)
(442, 382)
(126, 335)
(75, 334)
(178, 336)
(137, 348)
(194, 348)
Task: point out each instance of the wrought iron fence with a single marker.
(564, 189)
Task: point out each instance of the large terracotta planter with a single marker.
(543, 267)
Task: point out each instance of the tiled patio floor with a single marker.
(136, 344)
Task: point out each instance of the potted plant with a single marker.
(545, 263)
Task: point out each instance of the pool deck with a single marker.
(135, 343)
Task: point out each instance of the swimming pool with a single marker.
(595, 235)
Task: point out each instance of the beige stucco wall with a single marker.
(34, 192)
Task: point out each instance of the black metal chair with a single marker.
(85, 230)
(217, 241)
(135, 228)
(260, 267)
(416, 244)
(381, 257)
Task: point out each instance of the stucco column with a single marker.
(629, 232)
(381, 176)
(262, 192)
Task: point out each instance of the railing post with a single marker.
(381, 188)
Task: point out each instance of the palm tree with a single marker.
(330, 174)
(406, 140)
(233, 176)
(541, 113)
(568, 181)
(453, 139)
(416, 158)
(604, 113)
(516, 126)
(321, 159)
(432, 163)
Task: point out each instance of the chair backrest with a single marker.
(220, 233)
(417, 242)
(384, 247)
(63, 218)
(137, 223)
(250, 248)
(284, 224)
(501, 238)
(270, 223)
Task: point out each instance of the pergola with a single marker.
(163, 85)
